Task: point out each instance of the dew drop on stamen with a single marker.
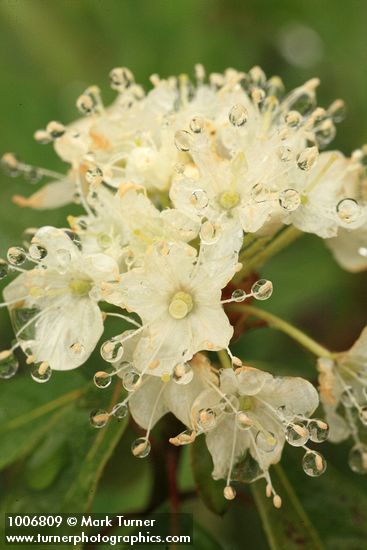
(182, 140)
(293, 119)
(348, 210)
(75, 238)
(238, 295)
(140, 448)
(102, 379)
(120, 78)
(357, 459)
(362, 413)
(37, 252)
(94, 176)
(16, 255)
(197, 124)
(131, 380)
(183, 373)
(41, 372)
(55, 129)
(229, 492)
(284, 153)
(238, 115)
(4, 269)
(206, 419)
(265, 441)
(85, 104)
(199, 199)
(112, 350)
(313, 464)
(98, 418)
(8, 364)
(243, 421)
(120, 411)
(262, 289)
(259, 193)
(289, 199)
(307, 158)
(209, 232)
(318, 429)
(296, 434)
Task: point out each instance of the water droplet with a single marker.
(199, 198)
(348, 210)
(296, 434)
(16, 255)
(94, 176)
(75, 238)
(112, 350)
(285, 154)
(313, 464)
(197, 124)
(102, 379)
(238, 295)
(307, 158)
(285, 413)
(209, 232)
(337, 110)
(206, 419)
(98, 418)
(325, 132)
(8, 364)
(183, 373)
(182, 140)
(259, 193)
(41, 372)
(228, 404)
(319, 430)
(141, 447)
(262, 289)
(63, 257)
(238, 115)
(55, 129)
(229, 492)
(357, 459)
(4, 269)
(85, 104)
(120, 410)
(289, 199)
(347, 398)
(266, 441)
(293, 119)
(121, 78)
(363, 415)
(131, 380)
(104, 240)
(37, 252)
(184, 438)
(244, 421)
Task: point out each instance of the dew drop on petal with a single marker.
(244, 421)
(348, 210)
(284, 153)
(209, 232)
(262, 289)
(37, 252)
(63, 257)
(266, 441)
(183, 373)
(16, 255)
(141, 447)
(131, 380)
(313, 464)
(357, 459)
(238, 295)
(259, 193)
(197, 124)
(307, 158)
(120, 410)
(4, 269)
(289, 199)
(206, 419)
(102, 379)
(319, 430)
(98, 418)
(183, 140)
(8, 364)
(41, 372)
(238, 115)
(199, 199)
(296, 434)
(112, 350)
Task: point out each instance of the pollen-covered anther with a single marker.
(229, 492)
(277, 501)
(180, 306)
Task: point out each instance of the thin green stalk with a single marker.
(224, 359)
(284, 326)
(282, 240)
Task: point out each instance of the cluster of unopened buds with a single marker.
(186, 190)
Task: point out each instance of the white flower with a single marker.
(349, 248)
(54, 306)
(343, 393)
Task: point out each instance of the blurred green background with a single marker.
(51, 50)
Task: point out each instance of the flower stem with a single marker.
(283, 239)
(275, 322)
(224, 359)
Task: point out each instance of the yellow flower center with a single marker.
(80, 287)
(229, 199)
(180, 305)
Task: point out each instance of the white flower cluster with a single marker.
(178, 186)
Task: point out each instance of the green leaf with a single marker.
(290, 526)
(210, 491)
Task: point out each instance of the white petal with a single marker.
(296, 394)
(143, 400)
(350, 249)
(52, 195)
